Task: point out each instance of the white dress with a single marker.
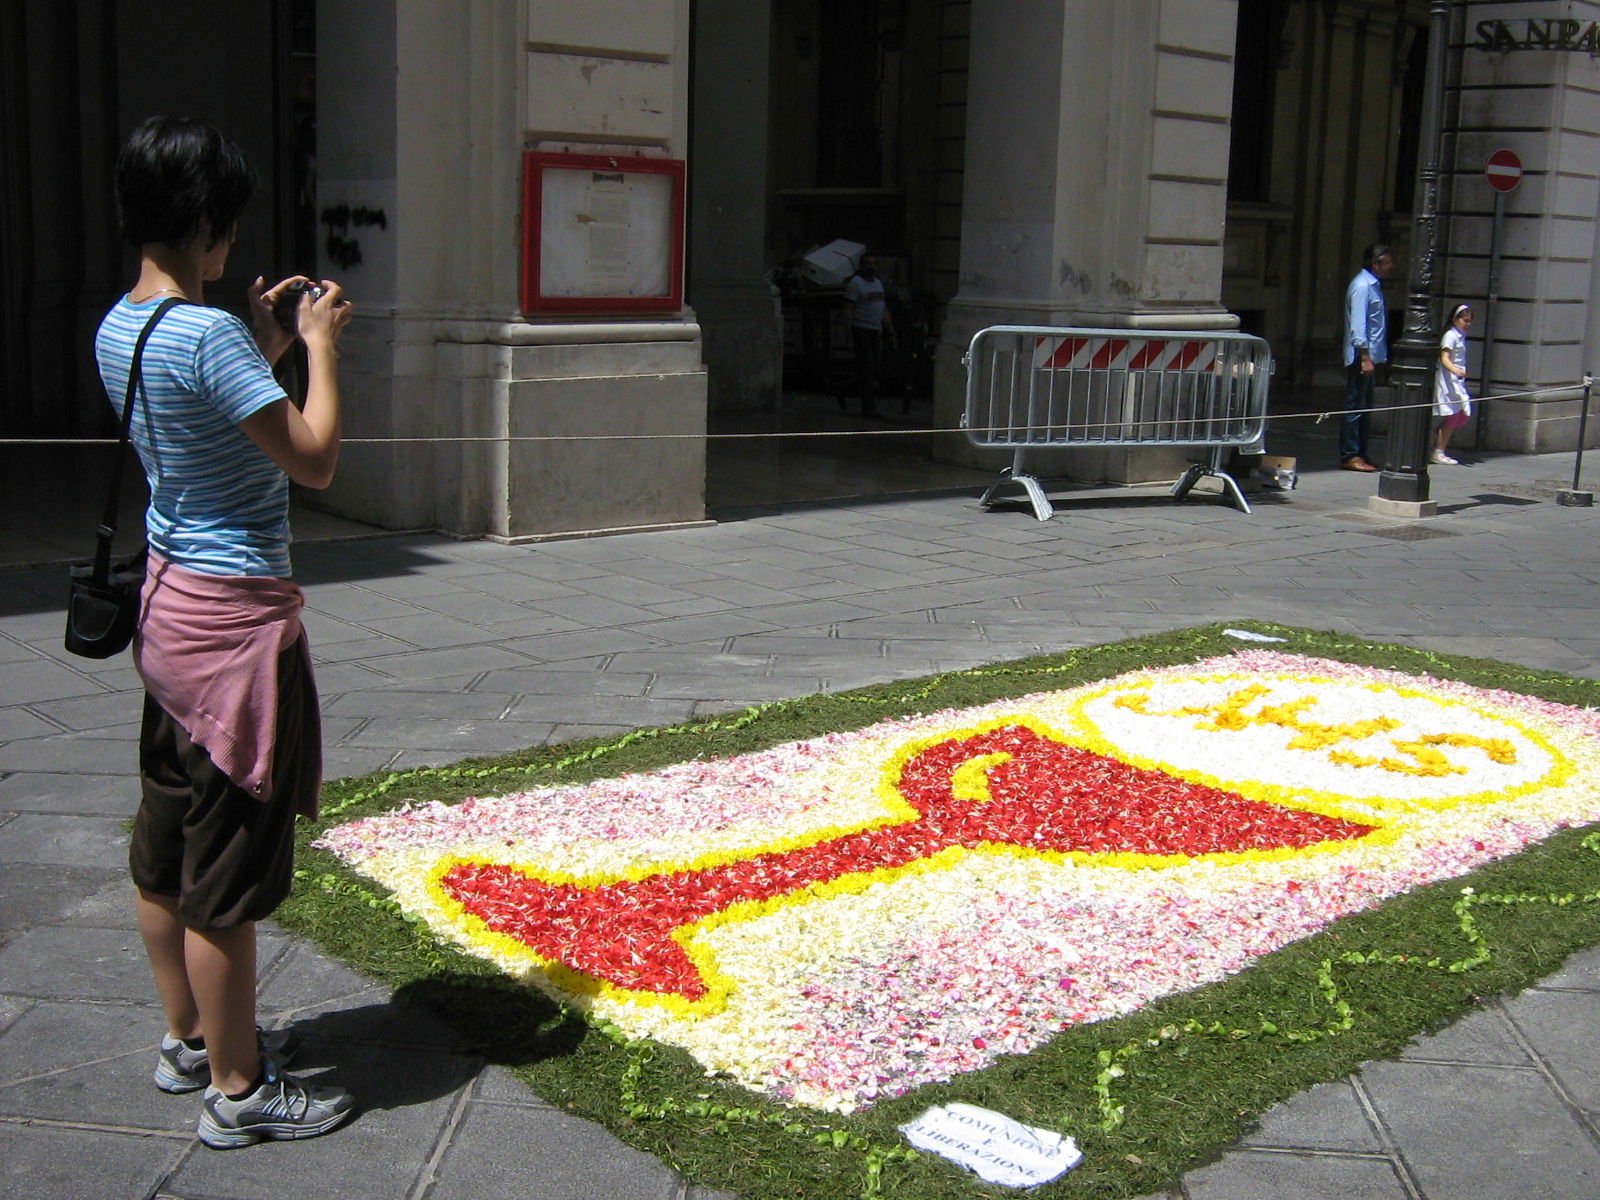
(1449, 389)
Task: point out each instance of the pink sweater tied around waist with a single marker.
(208, 650)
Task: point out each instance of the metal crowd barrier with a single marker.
(1032, 387)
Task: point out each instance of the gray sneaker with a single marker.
(180, 1068)
(283, 1108)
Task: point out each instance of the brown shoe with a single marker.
(1356, 464)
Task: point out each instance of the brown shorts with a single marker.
(226, 856)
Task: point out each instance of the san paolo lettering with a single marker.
(1555, 33)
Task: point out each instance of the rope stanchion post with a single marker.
(1574, 497)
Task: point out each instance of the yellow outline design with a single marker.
(1343, 805)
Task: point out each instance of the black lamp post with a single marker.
(1404, 479)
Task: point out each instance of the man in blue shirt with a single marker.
(1366, 344)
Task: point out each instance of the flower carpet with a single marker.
(838, 920)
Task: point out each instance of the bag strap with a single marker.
(108, 522)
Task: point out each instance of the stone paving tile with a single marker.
(83, 963)
(50, 838)
(577, 1160)
(1581, 972)
(103, 900)
(110, 711)
(847, 658)
(38, 679)
(695, 607)
(414, 757)
(789, 642)
(335, 677)
(704, 658)
(611, 710)
(1482, 1036)
(814, 612)
(11, 1010)
(77, 1164)
(519, 588)
(1466, 1131)
(355, 606)
(719, 691)
(547, 566)
(599, 611)
(410, 588)
(369, 646)
(1560, 1026)
(497, 1084)
(339, 762)
(562, 647)
(331, 631)
(744, 595)
(477, 608)
(666, 573)
(551, 681)
(89, 1064)
(41, 628)
(695, 629)
(660, 598)
(429, 630)
(90, 754)
(917, 625)
(440, 664)
(397, 702)
(19, 723)
(76, 795)
(1329, 1116)
(463, 737)
(1279, 1175)
(41, 893)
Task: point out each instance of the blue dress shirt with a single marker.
(1366, 321)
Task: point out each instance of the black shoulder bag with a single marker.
(103, 605)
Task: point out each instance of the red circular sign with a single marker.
(1504, 171)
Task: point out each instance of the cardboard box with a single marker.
(1278, 471)
(831, 265)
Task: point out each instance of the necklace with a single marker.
(160, 291)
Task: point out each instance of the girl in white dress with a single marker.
(1450, 400)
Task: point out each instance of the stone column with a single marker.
(737, 309)
(1095, 182)
(426, 108)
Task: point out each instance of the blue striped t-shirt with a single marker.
(218, 504)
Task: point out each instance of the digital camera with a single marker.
(288, 302)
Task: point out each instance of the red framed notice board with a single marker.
(601, 234)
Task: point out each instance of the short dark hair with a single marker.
(1374, 252)
(178, 178)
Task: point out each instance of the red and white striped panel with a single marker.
(1128, 354)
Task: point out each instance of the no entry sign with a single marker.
(1504, 171)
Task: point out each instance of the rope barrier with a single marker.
(1317, 416)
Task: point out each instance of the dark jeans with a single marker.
(869, 359)
(1360, 394)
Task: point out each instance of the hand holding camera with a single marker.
(286, 309)
(301, 308)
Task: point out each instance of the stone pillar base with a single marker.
(1403, 508)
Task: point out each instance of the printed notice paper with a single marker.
(992, 1146)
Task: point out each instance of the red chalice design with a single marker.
(1043, 797)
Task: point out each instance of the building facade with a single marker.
(1167, 164)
